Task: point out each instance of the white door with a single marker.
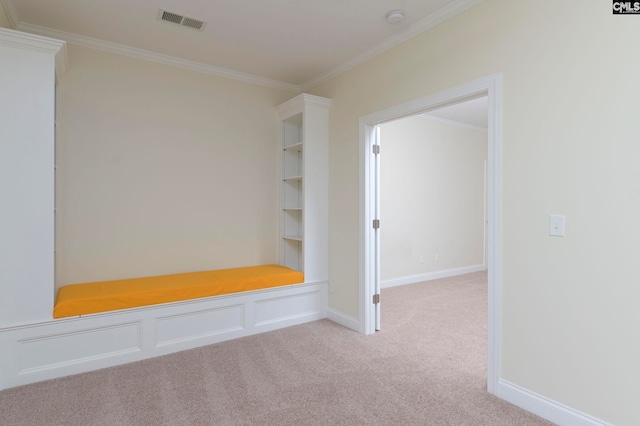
(376, 191)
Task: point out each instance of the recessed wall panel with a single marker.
(58, 350)
(193, 325)
(282, 308)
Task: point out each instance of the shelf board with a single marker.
(292, 237)
(295, 146)
(292, 178)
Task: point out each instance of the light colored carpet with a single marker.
(427, 367)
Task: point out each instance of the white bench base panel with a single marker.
(57, 348)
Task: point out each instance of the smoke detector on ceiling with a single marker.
(185, 21)
(395, 16)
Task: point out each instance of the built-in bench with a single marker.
(104, 296)
(128, 332)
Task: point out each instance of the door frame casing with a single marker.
(491, 86)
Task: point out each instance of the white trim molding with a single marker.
(449, 11)
(433, 275)
(147, 55)
(544, 407)
(38, 43)
(491, 86)
(61, 347)
(343, 319)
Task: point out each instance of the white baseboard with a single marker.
(412, 279)
(544, 407)
(344, 320)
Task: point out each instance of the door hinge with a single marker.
(376, 299)
(376, 149)
(376, 223)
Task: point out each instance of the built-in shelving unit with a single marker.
(30, 65)
(304, 186)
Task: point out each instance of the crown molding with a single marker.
(37, 43)
(30, 41)
(294, 105)
(147, 55)
(414, 29)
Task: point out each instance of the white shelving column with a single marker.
(28, 65)
(304, 193)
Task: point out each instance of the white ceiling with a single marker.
(281, 43)
(472, 113)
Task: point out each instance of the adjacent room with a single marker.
(432, 200)
(433, 194)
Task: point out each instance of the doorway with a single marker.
(369, 202)
(432, 194)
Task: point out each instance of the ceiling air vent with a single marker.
(185, 21)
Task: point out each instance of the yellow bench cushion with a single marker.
(90, 298)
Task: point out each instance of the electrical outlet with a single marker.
(437, 257)
(422, 258)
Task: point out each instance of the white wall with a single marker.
(432, 196)
(162, 170)
(570, 146)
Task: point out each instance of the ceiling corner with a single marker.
(414, 30)
(10, 10)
